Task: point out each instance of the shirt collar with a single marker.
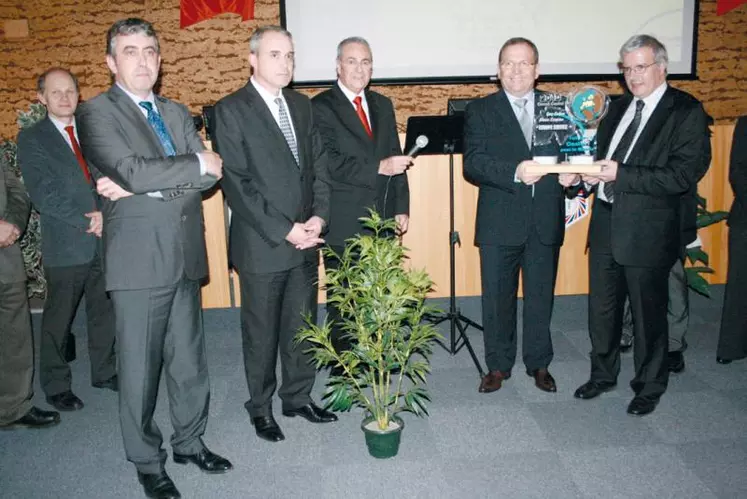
(266, 95)
(349, 94)
(653, 99)
(137, 100)
(60, 125)
(529, 96)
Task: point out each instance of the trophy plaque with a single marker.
(565, 126)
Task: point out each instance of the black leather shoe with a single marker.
(206, 461)
(723, 361)
(35, 418)
(267, 429)
(158, 485)
(640, 406)
(310, 412)
(592, 389)
(675, 362)
(65, 401)
(111, 384)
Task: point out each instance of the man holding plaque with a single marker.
(520, 219)
(654, 144)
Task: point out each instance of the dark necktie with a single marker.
(156, 122)
(285, 127)
(362, 115)
(78, 154)
(621, 151)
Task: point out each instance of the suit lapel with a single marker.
(605, 133)
(654, 125)
(137, 120)
(53, 139)
(173, 120)
(268, 126)
(505, 113)
(349, 118)
(373, 118)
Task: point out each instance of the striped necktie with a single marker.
(285, 127)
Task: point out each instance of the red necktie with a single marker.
(78, 154)
(362, 115)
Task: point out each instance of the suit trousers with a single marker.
(732, 339)
(65, 288)
(160, 329)
(16, 352)
(678, 309)
(647, 287)
(500, 266)
(273, 306)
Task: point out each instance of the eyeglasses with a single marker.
(521, 65)
(636, 70)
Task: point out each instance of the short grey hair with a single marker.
(41, 83)
(518, 40)
(256, 38)
(642, 41)
(130, 26)
(350, 40)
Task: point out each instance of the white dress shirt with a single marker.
(272, 105)
(350, 95)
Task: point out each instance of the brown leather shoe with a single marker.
(543, 380)
(492, 381)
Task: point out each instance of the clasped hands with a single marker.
(306, 235)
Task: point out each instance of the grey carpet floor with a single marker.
(515, 443)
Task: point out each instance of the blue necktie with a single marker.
(156, 122)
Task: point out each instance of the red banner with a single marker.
(194, 11)
(724, 6)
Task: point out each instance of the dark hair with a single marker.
(519, 41)
(130, 26)
(41, 82)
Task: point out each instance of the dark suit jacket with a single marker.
(354, 161)
(738, 175)
(265, 188)
(60, 194)
(149, 242)
(493, 146)
(672, 153)
(14, 208)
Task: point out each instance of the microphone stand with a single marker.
(457, 321)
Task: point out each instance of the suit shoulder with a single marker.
(168, 102)
(230, 99)
(32, 132)
(684, 99)
(481, 104)
(324, 97)
(296, 97)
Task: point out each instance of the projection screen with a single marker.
(446, 41)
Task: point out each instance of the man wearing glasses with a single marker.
(654, 147)
(520, 219)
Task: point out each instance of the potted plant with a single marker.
(697, 255)
(382, 306)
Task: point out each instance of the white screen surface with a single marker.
(431, 40)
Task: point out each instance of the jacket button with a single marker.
(184, 218)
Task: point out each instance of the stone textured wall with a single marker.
(208, 60)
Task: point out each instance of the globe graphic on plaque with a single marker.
(587, 105)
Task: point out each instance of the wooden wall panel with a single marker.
(428, 237)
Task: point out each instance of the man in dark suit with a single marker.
(16, 338)
(366, 165)
(276, 186)
(654, 144)
(732, 339)
(60, 185)
(520, 219)
(154, 166)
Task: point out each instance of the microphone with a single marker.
(419, 144)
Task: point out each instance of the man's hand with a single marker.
(213, 163)
(9, 234)
(588, 179)
(403, 222)
(97, 223)
(569, 179)
(301, 239)
(313, 226)
(609, 170)
(394, 165)
(527, 178)
(111, 191)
